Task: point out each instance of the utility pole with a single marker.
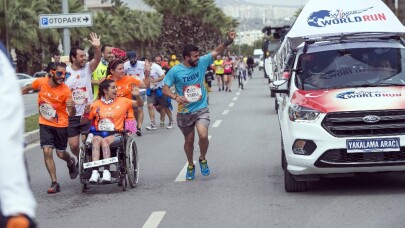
(66, 31)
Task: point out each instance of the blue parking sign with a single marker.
(45, 21)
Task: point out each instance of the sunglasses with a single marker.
(60, 73)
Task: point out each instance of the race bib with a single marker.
(192, 93)
(106, 124)
(47, 111)
(79, 96)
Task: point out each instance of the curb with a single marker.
(31, 136)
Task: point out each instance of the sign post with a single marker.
(65, 20)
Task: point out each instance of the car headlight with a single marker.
(301, 113)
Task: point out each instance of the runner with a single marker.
(228, 71)
(17, 203)
(219, 71)
(155, 96)
(101, 71)
(108, 113)
(125, 85)
(80, 84)
(136, 68)
(55, 105)
(193, 112)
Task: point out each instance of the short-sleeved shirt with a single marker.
(136, 71)
(219, 69)
(124, 89)
(188, 82)
(110, 117)
(52, 103)
(79, 83)
(155, 72)
(99, 74)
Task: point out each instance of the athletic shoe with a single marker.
(162, 124)
(170, 125)
(73, 171)
(205, 170)
(190, 172)
(55, 187)
(106, 176)
(95, 177)
(151, 127)
(138, 132)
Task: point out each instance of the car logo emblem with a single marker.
(371, 119)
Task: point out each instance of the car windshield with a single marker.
(351, 68)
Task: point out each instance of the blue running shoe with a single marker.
(190, 172)
(205, 171)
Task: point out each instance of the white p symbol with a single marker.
(44, 21)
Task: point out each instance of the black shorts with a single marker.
(55, 137)
(154, 99)
(75, 128)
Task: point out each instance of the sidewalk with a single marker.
(32, 136)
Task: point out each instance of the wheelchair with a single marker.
(124, 156)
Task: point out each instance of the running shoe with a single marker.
(162, 124)
(190, 172)
(95, 177)
(151, 127)
(106, 176)
(170, 125)
(205, 170)
(55, 187)
(73, 169)
(138, 132)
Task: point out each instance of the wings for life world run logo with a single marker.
(366, 94)
(325, 18)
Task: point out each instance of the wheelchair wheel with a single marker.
(82, 156)
(132, 162)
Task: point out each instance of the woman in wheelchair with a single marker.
(108, 114)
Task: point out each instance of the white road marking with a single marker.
(235, 98)
(217, 123)
(182, 175)
(225, 112)
(238, 93)
(231, 104)
(31, 146)
(154, 219)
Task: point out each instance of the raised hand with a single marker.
(231, 35)
(147, 68)
(95, 41)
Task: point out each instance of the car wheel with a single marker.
(276, 105)
(290, 184)
(272, 94)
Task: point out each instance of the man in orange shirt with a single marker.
(55, 105)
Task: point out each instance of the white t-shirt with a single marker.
(155, 72)
(80, 84)
(15, 194)
(136, 71)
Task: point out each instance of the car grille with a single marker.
(347, 124)
(340, 158)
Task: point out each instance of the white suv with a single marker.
(343, 109)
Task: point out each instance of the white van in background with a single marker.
(257, 55)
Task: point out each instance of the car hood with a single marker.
(351, 99)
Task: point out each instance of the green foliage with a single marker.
(174, 23)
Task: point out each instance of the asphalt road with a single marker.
(245, 188)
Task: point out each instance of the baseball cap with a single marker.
(131, 54)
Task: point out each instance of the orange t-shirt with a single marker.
(124, 89)
(52, 103)
(110, 117)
